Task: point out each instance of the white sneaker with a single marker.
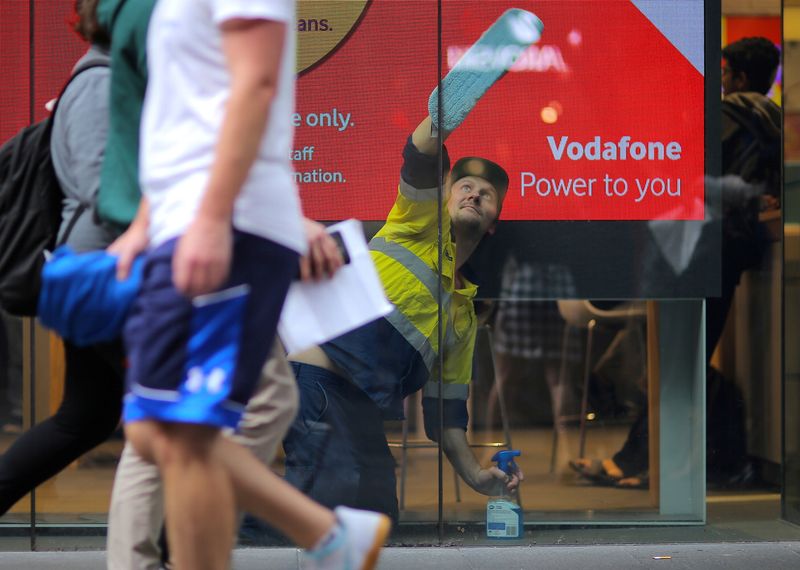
(357, 544)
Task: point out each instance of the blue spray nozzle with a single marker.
(505, 460)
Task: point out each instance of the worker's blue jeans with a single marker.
(336, 449)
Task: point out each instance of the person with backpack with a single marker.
(751, 182)
(93, 381)
(751, 152)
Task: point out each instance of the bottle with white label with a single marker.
(503, 513)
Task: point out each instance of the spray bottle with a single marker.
(503, 513)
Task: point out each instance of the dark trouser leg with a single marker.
(717, 309)
(336, 449)
(633, 457)
(88, 414)
(5, 366)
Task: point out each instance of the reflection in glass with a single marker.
(791, 228)
(11, 386)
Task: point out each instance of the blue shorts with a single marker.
(198, 361)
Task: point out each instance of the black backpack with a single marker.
(751, 150)
(30, 210)
(751, 144)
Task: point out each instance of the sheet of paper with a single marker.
(317, 312)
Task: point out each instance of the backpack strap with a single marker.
(86, 66)
(82, 207)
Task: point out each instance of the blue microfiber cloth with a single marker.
(81, 298)
(486, 61)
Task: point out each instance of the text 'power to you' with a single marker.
(611, 151)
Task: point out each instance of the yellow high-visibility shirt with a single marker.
(405, 252)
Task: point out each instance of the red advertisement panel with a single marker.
(602, 119)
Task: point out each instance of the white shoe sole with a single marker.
(381, 534)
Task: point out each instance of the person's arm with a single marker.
(419, 181)
(133, 242)
(414, 213)
(489, 481)
(424, 139)
(253, 50)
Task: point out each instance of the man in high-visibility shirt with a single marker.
(336, 449)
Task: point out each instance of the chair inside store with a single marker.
(583, 314)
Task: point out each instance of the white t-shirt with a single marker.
(188, 87)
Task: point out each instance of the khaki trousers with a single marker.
(136, 514)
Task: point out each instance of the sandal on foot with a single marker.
(594, 472)
(641, 481)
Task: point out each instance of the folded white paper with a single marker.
(316, 312)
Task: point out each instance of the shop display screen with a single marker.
(600, 124)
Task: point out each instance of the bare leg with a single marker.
(198, 493)
(557, 401)
(261, 492)
(195, 459)
(136, 513)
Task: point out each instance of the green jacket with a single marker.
(126, 21)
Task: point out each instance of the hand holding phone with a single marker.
(326, 253)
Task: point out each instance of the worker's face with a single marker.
(473, 204)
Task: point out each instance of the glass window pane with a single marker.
(12, 403)
(791, 197)
(590, 344)
(366, 73)
(572, 329)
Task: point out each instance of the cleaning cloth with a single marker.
(486, 61)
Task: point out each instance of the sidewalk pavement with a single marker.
(727, 556)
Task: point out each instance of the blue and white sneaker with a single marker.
(355, 545)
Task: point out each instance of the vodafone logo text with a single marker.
(535, 58)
